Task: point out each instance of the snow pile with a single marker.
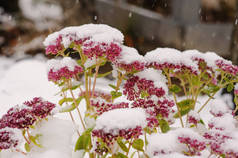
(129, 55)
(219, 107)
(56, 139)
(57, 64)
(121, 119)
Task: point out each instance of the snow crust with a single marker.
(130, 55)
(57, 64)
(121, 119)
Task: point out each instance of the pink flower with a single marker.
(7, 139)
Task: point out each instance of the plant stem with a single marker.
(87, 95)
(95, 76)
(129, 147)
(22, 152)
(211, 97)
(75, 103)
(175, 99)
(71, 116)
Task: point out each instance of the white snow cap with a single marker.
(129, 55)
(218, 106)
(226, 122)
(154, 75)
(117, 119)
(57, 64)
(100, 33)
(168, 142)
(169, 55)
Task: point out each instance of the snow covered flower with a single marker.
(126, 123)
(227, 67)
(219, 108)
(18, 117)
(93, 40)
(236, 89)
(145, 84)
(193, 117)
(39, 107)
(62, 69)
(102, 107)
(130, 60)
(8, 138)
(168, 58)
(216, 139)
(193, 140)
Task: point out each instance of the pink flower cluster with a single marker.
(135, 87)
(180, 68)
(110, 51)
(54, 49)
(89, 47)
(215, 140)
(228, 68)
(195, 146)
(102, 107)
(193, 118)
(7, 139)
(22, 117)
(110, 137)
(63, 73)
(39, 107)
(132, 67)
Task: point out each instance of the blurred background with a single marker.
(206, 25)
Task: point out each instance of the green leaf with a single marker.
(72, 106)
(112, 86)
(202, 122)
(144, 94)
(120, 155)
(186, 104)
(84, 141)
(122, 145)
(104, 74)
(229, 87)
(115, 94)
(164, 125)
(27, 147)
(138, 144)
(62, 101)
(34, 141)
(195, 80)
(174, 88)
(210, 89)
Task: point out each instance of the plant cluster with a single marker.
(139, 115)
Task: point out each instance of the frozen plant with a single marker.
(143, 125)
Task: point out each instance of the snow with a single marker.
(222, 122)
(130, 55)
(57, 64)
(51, 131)
(98, 33)
(218, 106)
(121, 119)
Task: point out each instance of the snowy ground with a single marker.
(25, 79)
